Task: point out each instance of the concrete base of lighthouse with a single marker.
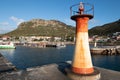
(93, 76)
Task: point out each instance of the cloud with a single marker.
(4, 23)
(4, 30)
(8, 26)
(17, 20)
(4, 27)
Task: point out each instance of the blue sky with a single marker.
(13, 12)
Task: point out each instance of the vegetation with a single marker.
(48, 28)
(106, 29)
(54, 28)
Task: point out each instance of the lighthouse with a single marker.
(82, 63)
(82, 67)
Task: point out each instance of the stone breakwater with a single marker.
(5, 65)
(46, 72)
(106, 50)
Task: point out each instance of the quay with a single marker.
(46, 72)
(102, 50)
(44, 44)
(5, 65)
(106, 50)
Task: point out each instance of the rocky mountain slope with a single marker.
(40, 27)
(106, 29)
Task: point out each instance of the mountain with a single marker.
(40, 27)
(106, 29)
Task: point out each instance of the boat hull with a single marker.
(7, 47)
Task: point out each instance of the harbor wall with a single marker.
(48, 72)
(105, 50)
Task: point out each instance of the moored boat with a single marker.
(60, 45)
(9, 45)
(56, 45)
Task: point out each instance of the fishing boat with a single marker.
(56, 45)
(8, 45)
(60, 45)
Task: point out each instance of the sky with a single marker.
(13, 12)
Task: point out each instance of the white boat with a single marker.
(9, 45)
(60, 45)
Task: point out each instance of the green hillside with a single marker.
(106, 29)
(39, 27)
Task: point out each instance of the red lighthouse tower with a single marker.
(82, 64)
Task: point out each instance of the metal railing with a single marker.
(88, 9)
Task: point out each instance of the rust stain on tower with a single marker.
(82, 63)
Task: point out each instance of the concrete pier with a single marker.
(5, 65)
(46, 72)
(52, 72)
(106, 50)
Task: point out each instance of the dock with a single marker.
(106, 50)
(46, 72)
(5, 65)
(44, 44)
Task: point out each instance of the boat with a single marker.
(60, 45)
(56, 45)
(8, 45)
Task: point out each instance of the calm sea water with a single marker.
(25, 57)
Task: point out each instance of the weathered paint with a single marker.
(82, 70)
(82, 63)
(82, 24)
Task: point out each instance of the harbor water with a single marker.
(24, 57)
